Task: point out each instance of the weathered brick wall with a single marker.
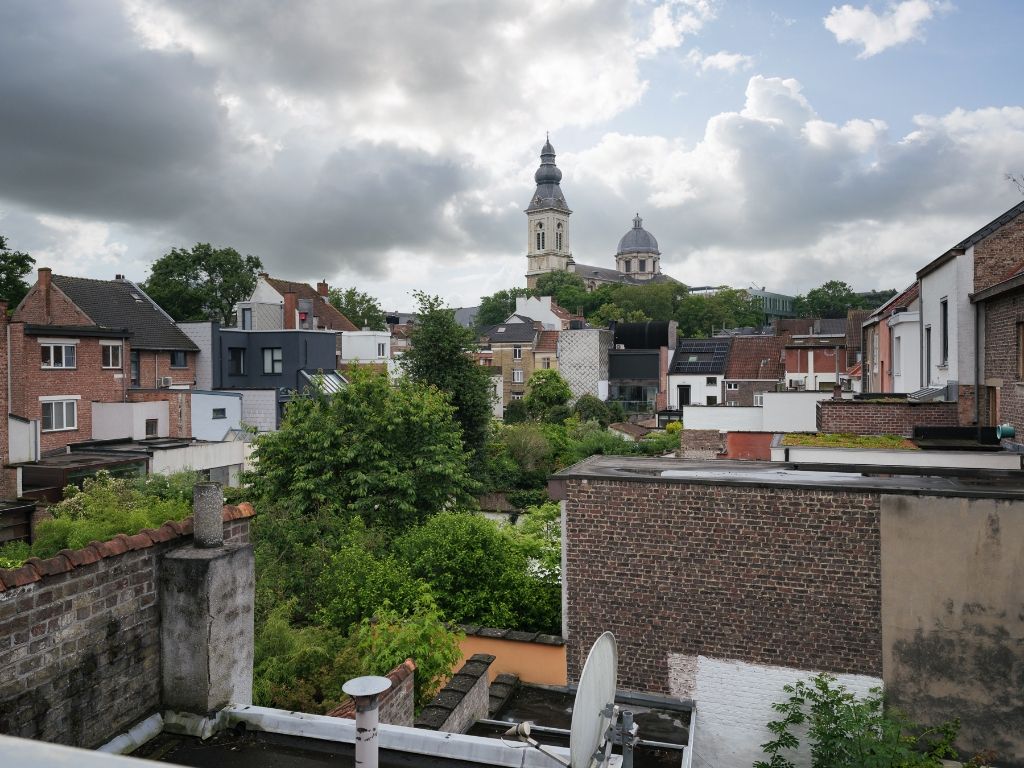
(701, 443)
(88, 379)
(397, 704)
(998, 253)
(155, 365)
(464, 699)
(179, 407)
(1002, 315)
(744, 393)
(80, 635)
(861, 417)
(789, 577)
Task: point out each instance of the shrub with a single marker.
(515, 412)
(591, 408)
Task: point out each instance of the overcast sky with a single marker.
(391, 144)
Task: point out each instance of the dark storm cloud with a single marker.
(94, 125)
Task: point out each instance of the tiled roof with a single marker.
(66, 560)
(518, 333)
(547, 341)
(700, 356)
(854, 324)
(587, 271)
(326, 312)
(628, 428)
(122, 304)
(756, 357)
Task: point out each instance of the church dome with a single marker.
(638, 240)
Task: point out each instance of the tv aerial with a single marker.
(597, 721)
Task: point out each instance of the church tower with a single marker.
(547, 222)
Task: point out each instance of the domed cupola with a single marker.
(638, 255)
(548, 176)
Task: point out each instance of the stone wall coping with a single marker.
(512, 635)
(436, 713)
(348, 707)
(898, 403)
(66, 560)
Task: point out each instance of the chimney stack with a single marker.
(119, 277)
(322, 288)
(43, 280)
(290, 308)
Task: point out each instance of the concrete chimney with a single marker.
(290, 308)
(322, 288)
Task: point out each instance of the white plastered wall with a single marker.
(733, 701)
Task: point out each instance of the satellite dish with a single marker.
(595, 697)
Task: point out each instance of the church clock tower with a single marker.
(547, 222)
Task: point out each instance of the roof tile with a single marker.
(547, 341)
(19, 577)
(51, 565)
(330, 317)
(756, 357)
(140, 540)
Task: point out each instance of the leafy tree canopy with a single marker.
(361, 308)
(700, 316)
(440, 356)
(203, 283)
(390, 454)
(832, 299)
(497, 307)
(607, 313)
(14, 265)
(545, 390)
(567, 289)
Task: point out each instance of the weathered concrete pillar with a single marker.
(206, 615)
(207, 517)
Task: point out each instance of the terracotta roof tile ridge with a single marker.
(347, 708)
(35, 569)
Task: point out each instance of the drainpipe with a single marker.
(366, 691)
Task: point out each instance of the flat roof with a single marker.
(1006, 484)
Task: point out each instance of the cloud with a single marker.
(875, 33)
(776, 194)
(722, 61)
(672, 21)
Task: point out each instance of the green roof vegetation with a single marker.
(846, 440)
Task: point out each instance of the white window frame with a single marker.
(64, 401)
(517, 375)
(517, 352)
(732, 385)
(381, 349)
(759, 398)
(64, 345)
(276, 361)
(112, 345)
(897, 354)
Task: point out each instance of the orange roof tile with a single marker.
(756, 357)
(547, 341)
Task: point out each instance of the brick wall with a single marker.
(155, 365)
(861, 417)
(79, 635)
(788, 577)
(998, 253)
(88, 379)
(464, 699)
(179, 407)
(503, 356)
(701, 444)
(396, 704)
(1002, 315)
(745, 390)
(749, 446)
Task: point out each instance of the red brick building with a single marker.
(1002, 308)
(76, 341)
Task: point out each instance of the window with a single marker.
(874, 351)
(944, 330)
(57, 355)
(558, 237)
(897, 364)
(517, 352)
(272, 360)
(236, 361)
(712, 400)
(517, 395)
(134, 357)
(927, 355)
(643, 266)
(517, 375)
(732, 385)
(381, 349)
(219, 413)
(178, 359)
(110, 352)
(759, 398)
(547, 362)
(246, 318)
(60, 415)
(540, 237)
(711, 381)
(152, 426)
(629, 265)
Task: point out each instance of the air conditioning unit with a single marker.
(166, 381)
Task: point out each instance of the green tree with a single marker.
(606, 313)
(390, 454)
(440, 355)
(361, 308)
(497, 307)
(545, 390)
(203, 283)
(592, 408)
(700, 316)
(566, 288)
(14, 265)
(832, 299)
